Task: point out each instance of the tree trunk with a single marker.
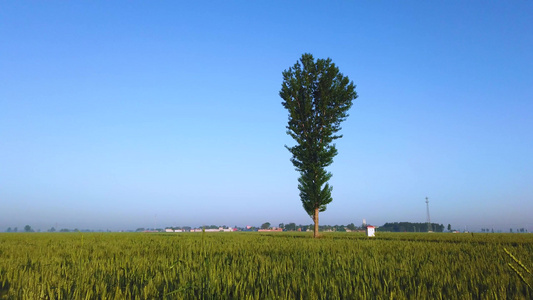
(315, 219)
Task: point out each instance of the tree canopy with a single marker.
(317, 97)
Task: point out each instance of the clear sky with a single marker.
(126, 114)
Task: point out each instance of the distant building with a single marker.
(220, 229)
(270, 230)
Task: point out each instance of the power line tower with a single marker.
(428, 219)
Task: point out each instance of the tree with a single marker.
(27, 228)
(339, 228)
(290, 227)
(265, 225)
(449, 227)
(318, 98)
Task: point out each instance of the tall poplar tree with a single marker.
(318, 98)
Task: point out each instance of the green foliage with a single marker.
(263, 266)
(410, 227)
(290, 227)
(351, 226)
(317, 97)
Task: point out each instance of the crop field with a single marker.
(265, 266)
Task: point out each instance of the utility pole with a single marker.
(428, 220)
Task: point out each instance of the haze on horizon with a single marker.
(119, 115)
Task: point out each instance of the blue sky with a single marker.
(125, 114)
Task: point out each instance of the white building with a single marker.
(220, 229)
(370, 230)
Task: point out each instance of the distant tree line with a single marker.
(411, 227)
(300, 227)
(387, 227)
(267, 225)
(28, 228)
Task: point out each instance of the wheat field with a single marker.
(265, 266)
